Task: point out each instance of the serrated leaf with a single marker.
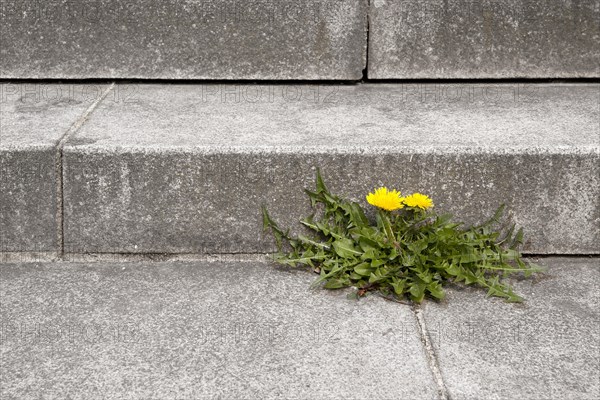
(399, 286)
(417, 292)
(356, 277)
(337, 283)
(320, 183)
(496, 218)
(312, 242)
(436, 290)
(344, 247)
(367, 244)
(518, 240)
(357, 215)
(363, 269)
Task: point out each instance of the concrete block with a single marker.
(33, 117)
(28, 205)
(484, 39)
(547, 348)
(201, 39)
(197, 330)
(185, 169)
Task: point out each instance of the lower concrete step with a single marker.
(199, 331)
(186, 168)
(231, 330)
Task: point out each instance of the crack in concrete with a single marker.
(60, 237)
(429, 351)
(365, 71)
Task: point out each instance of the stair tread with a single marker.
(240, 329)
(368, 117)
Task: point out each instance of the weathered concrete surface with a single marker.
(548, 348)
(33, 117)
(217, 39)
(199, 330)
(484, 39)
(185, 169)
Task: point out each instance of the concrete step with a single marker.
(172, 39)
(33, 120)
(484, 39)
(308, 39)
(185, 168)
(230, 330)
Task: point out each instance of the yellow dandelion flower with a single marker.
(386, 199)
(418, 200)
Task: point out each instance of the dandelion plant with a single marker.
(407, 252)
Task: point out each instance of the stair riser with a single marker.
(217, 39)
(484, 39)
(176, 202)
(28, 200)
(308, 39)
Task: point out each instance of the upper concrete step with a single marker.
(484, 39)
(173, 39)
(185, 168)
(303, 39)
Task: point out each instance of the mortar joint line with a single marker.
(59, 167)
(432, 361)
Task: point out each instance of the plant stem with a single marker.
(387, 226)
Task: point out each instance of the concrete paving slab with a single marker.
(193, 330)
(33, 118)
(185, 168)
(483, 39)
(172, 39)
(548, 348)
